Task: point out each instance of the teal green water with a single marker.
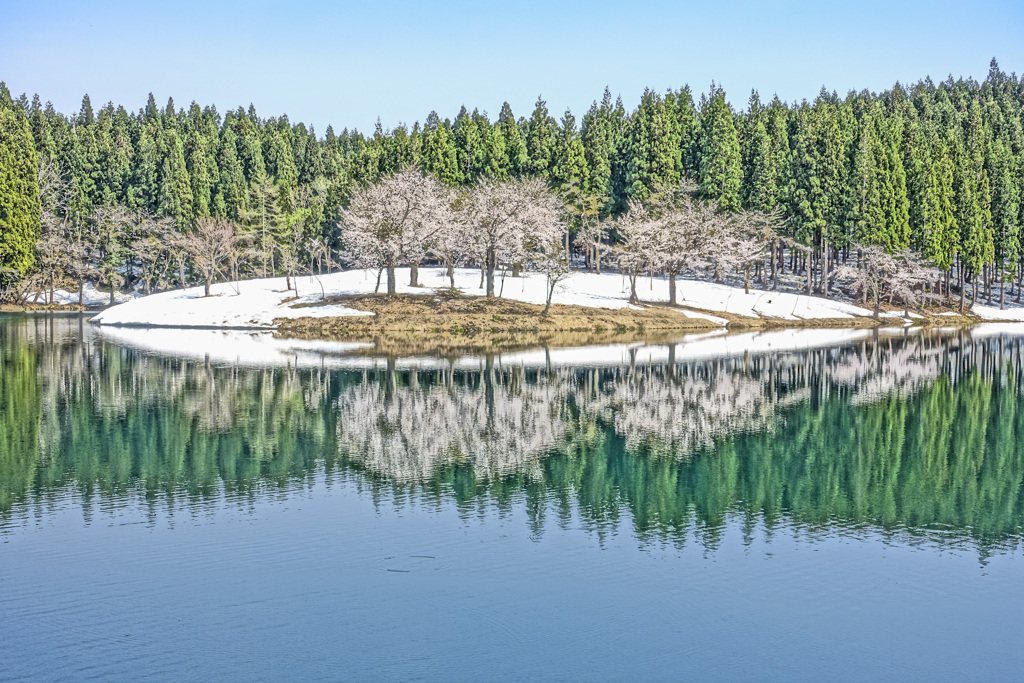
(854, 511)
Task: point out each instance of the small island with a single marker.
(730, 219)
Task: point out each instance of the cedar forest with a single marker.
(933, 172)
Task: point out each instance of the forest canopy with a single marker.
(933, 168)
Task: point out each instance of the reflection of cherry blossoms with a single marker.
(664, 413)
(498, 424)
(406, 427)
(501, 423)
(869, 375)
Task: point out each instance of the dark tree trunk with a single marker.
(1020, 270)
(825, 267)
(550, 293)
(490, 263)
(414, 275)
(776, 256)
(392, 286)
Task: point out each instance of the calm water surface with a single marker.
(800, 505)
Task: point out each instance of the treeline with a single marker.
(934, 167)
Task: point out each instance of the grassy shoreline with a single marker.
(447, 321)
(45, 308)
(451, 320)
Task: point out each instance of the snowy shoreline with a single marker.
(257, 304)
(263, 349)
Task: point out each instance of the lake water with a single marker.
(797, 505)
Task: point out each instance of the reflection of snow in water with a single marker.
(263, 349)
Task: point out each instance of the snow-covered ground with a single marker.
(1014, 313)
(256, 304)
(249, 304)
(92, 297)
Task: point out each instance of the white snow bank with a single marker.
(256, 303)
(250, 348)
(250, 304)
(92, 297)
(1013, 313)
(716, 344)
(229, 347)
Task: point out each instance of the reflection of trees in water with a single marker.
(19, 415)
(676, 410)
(408, 425)
(116, 420)
(916, 434)
(495, 422)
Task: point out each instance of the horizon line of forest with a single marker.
(936, 168)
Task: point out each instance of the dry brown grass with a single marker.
(462, 316)
(447, 323)
(53, 308)
(452, 320)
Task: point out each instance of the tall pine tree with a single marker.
(19, 189)
(720, 172)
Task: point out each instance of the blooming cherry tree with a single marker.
(391, 222)
(639, 233)
(508, 219)
(744, 240)
(686, 232)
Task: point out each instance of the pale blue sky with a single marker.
(348, 63)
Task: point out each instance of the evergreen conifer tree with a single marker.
(759, 189)
(601, 137)
(569, 165)
(469, 149)
(175, 194)
(515, 145)
(540, 140)
(652, 147)
(940, 229)
(19, 189)
(720, 172)
(439, 154)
